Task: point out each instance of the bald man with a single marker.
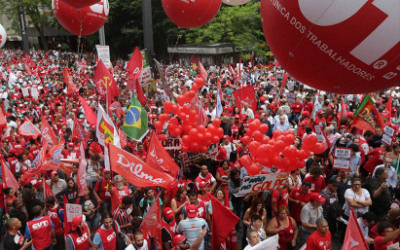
(14, 240)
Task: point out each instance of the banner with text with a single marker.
(342, 158)
(192, 158)
(73, 210)
(103, 53)
(173, 147)
(146, 73)
(260, 183)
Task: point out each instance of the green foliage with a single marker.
(239, 25)
(65, 47)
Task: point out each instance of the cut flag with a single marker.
(136, 121)
(151, 223)
(37, 164)
(28, 129)
(71, 88)
(48, 133)
(388, 107)
(105, 129)
(354, 239)
(89, 113)
(81, 175)
(8, 177)
(367, 116)
(105, 83)
(135, 171)
(134, 68)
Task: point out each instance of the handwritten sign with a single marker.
(261, 183)
(388, 135)
(73, 210)
(196, 157)
(291, 97)
(103, 53)
(342, 158)
(173, 146)
(319, 133)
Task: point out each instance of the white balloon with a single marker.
(235, 2)
(3, 36)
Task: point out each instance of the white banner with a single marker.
(103, 53)
(261, 183)
(73, 210)
(292, 97)
(342, 158)
(388, 135)
(269, 244)
(25, 91)
(318, 133)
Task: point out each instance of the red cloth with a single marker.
(354, 234)
(375, 159)
(378, 244)
(318, 184)
(297, 195)
(319, 242)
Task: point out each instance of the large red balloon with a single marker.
(85, 22)
(358, 60)
(78, 4)
(190, 13)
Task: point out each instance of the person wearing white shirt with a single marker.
(282, 125)
(366, 221)
(396, 95)
(212, 111)
(138, 242)
(246, 110)
(277, 119)
(228, 146)
(387, 163)
(252, 238)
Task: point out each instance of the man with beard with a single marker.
(138, 242)
(179, 242)
(168, 229)
(120, 190)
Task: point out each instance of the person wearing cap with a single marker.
(14, 238)
(229, 147)
(56, 214)
(322, 237)
(180, 242)
(308, 105)
(168, 227)
(78, 238)
(192, 225)
(102, 190)
(57, 185)
(309, 215)
(122, 215)
(320, 119)
(299, 197)
(18, 145)
(207, 177)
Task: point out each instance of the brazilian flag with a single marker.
(136, 121)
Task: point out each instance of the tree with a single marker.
(34, 9)
(238, 25)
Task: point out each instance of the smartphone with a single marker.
(204, 226)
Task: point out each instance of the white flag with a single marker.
(219, 106)
(11, 80)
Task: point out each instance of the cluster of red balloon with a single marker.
(276, 152)
(199, 137)
(81, 17)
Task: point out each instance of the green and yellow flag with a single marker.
(136, 121)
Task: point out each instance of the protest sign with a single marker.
(25, 91)
(261, 183)
(146, 73)
(318, 133)
(196, 157)
(34, 93)
(73, 210)
(173, 146)
(342, 158)
(103, 53)
(292, 97)
(269, 244)
(388, 135)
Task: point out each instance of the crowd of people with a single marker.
(312, 208)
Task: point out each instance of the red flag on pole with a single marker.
(8, 177)
(223, 220)
(221, 96)
(203, 72)
(135, 171)
(37, 164)
(91, 117)
(105, 82)
(245, 95)
(134, 68)
(354, 238)
(151, 223)
(48, 133)
(3, 120)
(367, 116)
(52, 158)
(47, 190)
(388, 109)
(67, 225)
(80, 132)
(139, 94)
(123, 138)
(68, 80)
(28, 129)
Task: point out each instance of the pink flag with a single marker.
(81, 176)
(8, 177)
(28, 129)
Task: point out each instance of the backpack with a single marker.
(268, 200)
(121, 243)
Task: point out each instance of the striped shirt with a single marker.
(121, 216)
(191, 227)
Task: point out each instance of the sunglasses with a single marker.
(184, 242)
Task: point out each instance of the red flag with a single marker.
(37, 164)
(203, 72)
(47, 190)
(195, 105)
(52, 158)
(8, 177)
(91, 117)
(283, 83)
(342, 113)
(28, 61)
(151, 223)
(48, 133)
(28, 129)
(3, 120)
(233, 73)
(221, 96)
(245, 95)
(354, 238)
(134, 68)
(388, 109)
(367, 116)
(159, 158)
(118, 109)
(135, 171)
(105, 82)
(81, 175)
(80, 132)
(223, 220)
(28, 70)
(111, 68)
(139, 94)
(66, 167)
(68, 80)
(123, 138)
(67, 225)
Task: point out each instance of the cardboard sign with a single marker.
(196, 157)
(269, 244)
(291, 97)
(146, 72)
(103, 53)
(342, 158)
(388, 135)
(72, 211)
(318, 132)
(260, 183)
(173, 146)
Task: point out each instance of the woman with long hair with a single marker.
(294, 179)
(234, 161)
(234, 183)
(184, 181)
(297, 143)
(222, 175)
(285, 226)
(235, 111)
(257, 207)
(179, 201)
(71, 191)
(78, 237)
(90, 209)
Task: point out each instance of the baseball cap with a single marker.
(38, 183)
(317, 197)
(17, 136)
(76, 221)
(305, 122)
(235, 130)
(306, 113)
(243, 116)
(177, 238)
(168, 213)
(237, 116)
(13, 150)
(75, 138)
(320, 112)
(202, 184)
(105, 170)
(54, 172)
(333, 182)
(226, 137)
(70, 144)
(191, 210)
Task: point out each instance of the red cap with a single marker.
(191, 210)
(105, 170)
(226, 137)
(305, 122)
(13, 150)
(76, 221)
(70, 144)
(320, 112)
(168, 213)
(38, 183)
(75, 138)
(177, 238)
(17, 136)
(317, 197)
(243, 116)
(54, 172)
(237, 116)
(306, 113)
(202, 184)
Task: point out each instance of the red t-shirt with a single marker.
(318, 184)
(378, 243)
(95, 148)
(297, 195)
(308, 107)
(104, 190)
(296, 107)
(222, 154)
(319, 242)
(374, 160)
(284, 201)
(141, 155)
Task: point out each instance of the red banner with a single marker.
(354, 238)
(123, 138)
(203, 72)
(367, 116)
(134, 68)
(80, 132)
(151, 223)
(52, 159)
(135, 171)
(245, 95)
(28, 129)
(48, 133)
(117, 107)
(8, 177)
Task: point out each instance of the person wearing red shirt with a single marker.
(386, 236)
(34, 150)
(141, 153)
(299, 197)
(18, 145)
(317, 181)
(375, 158)
(296, 109)
(12, 159)
(102, 191)
(308, 106)
(77, 145)
(70, 153)
(94, 148)
(280, 197)
(207, 178)
(222, 154)
(321, 239)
